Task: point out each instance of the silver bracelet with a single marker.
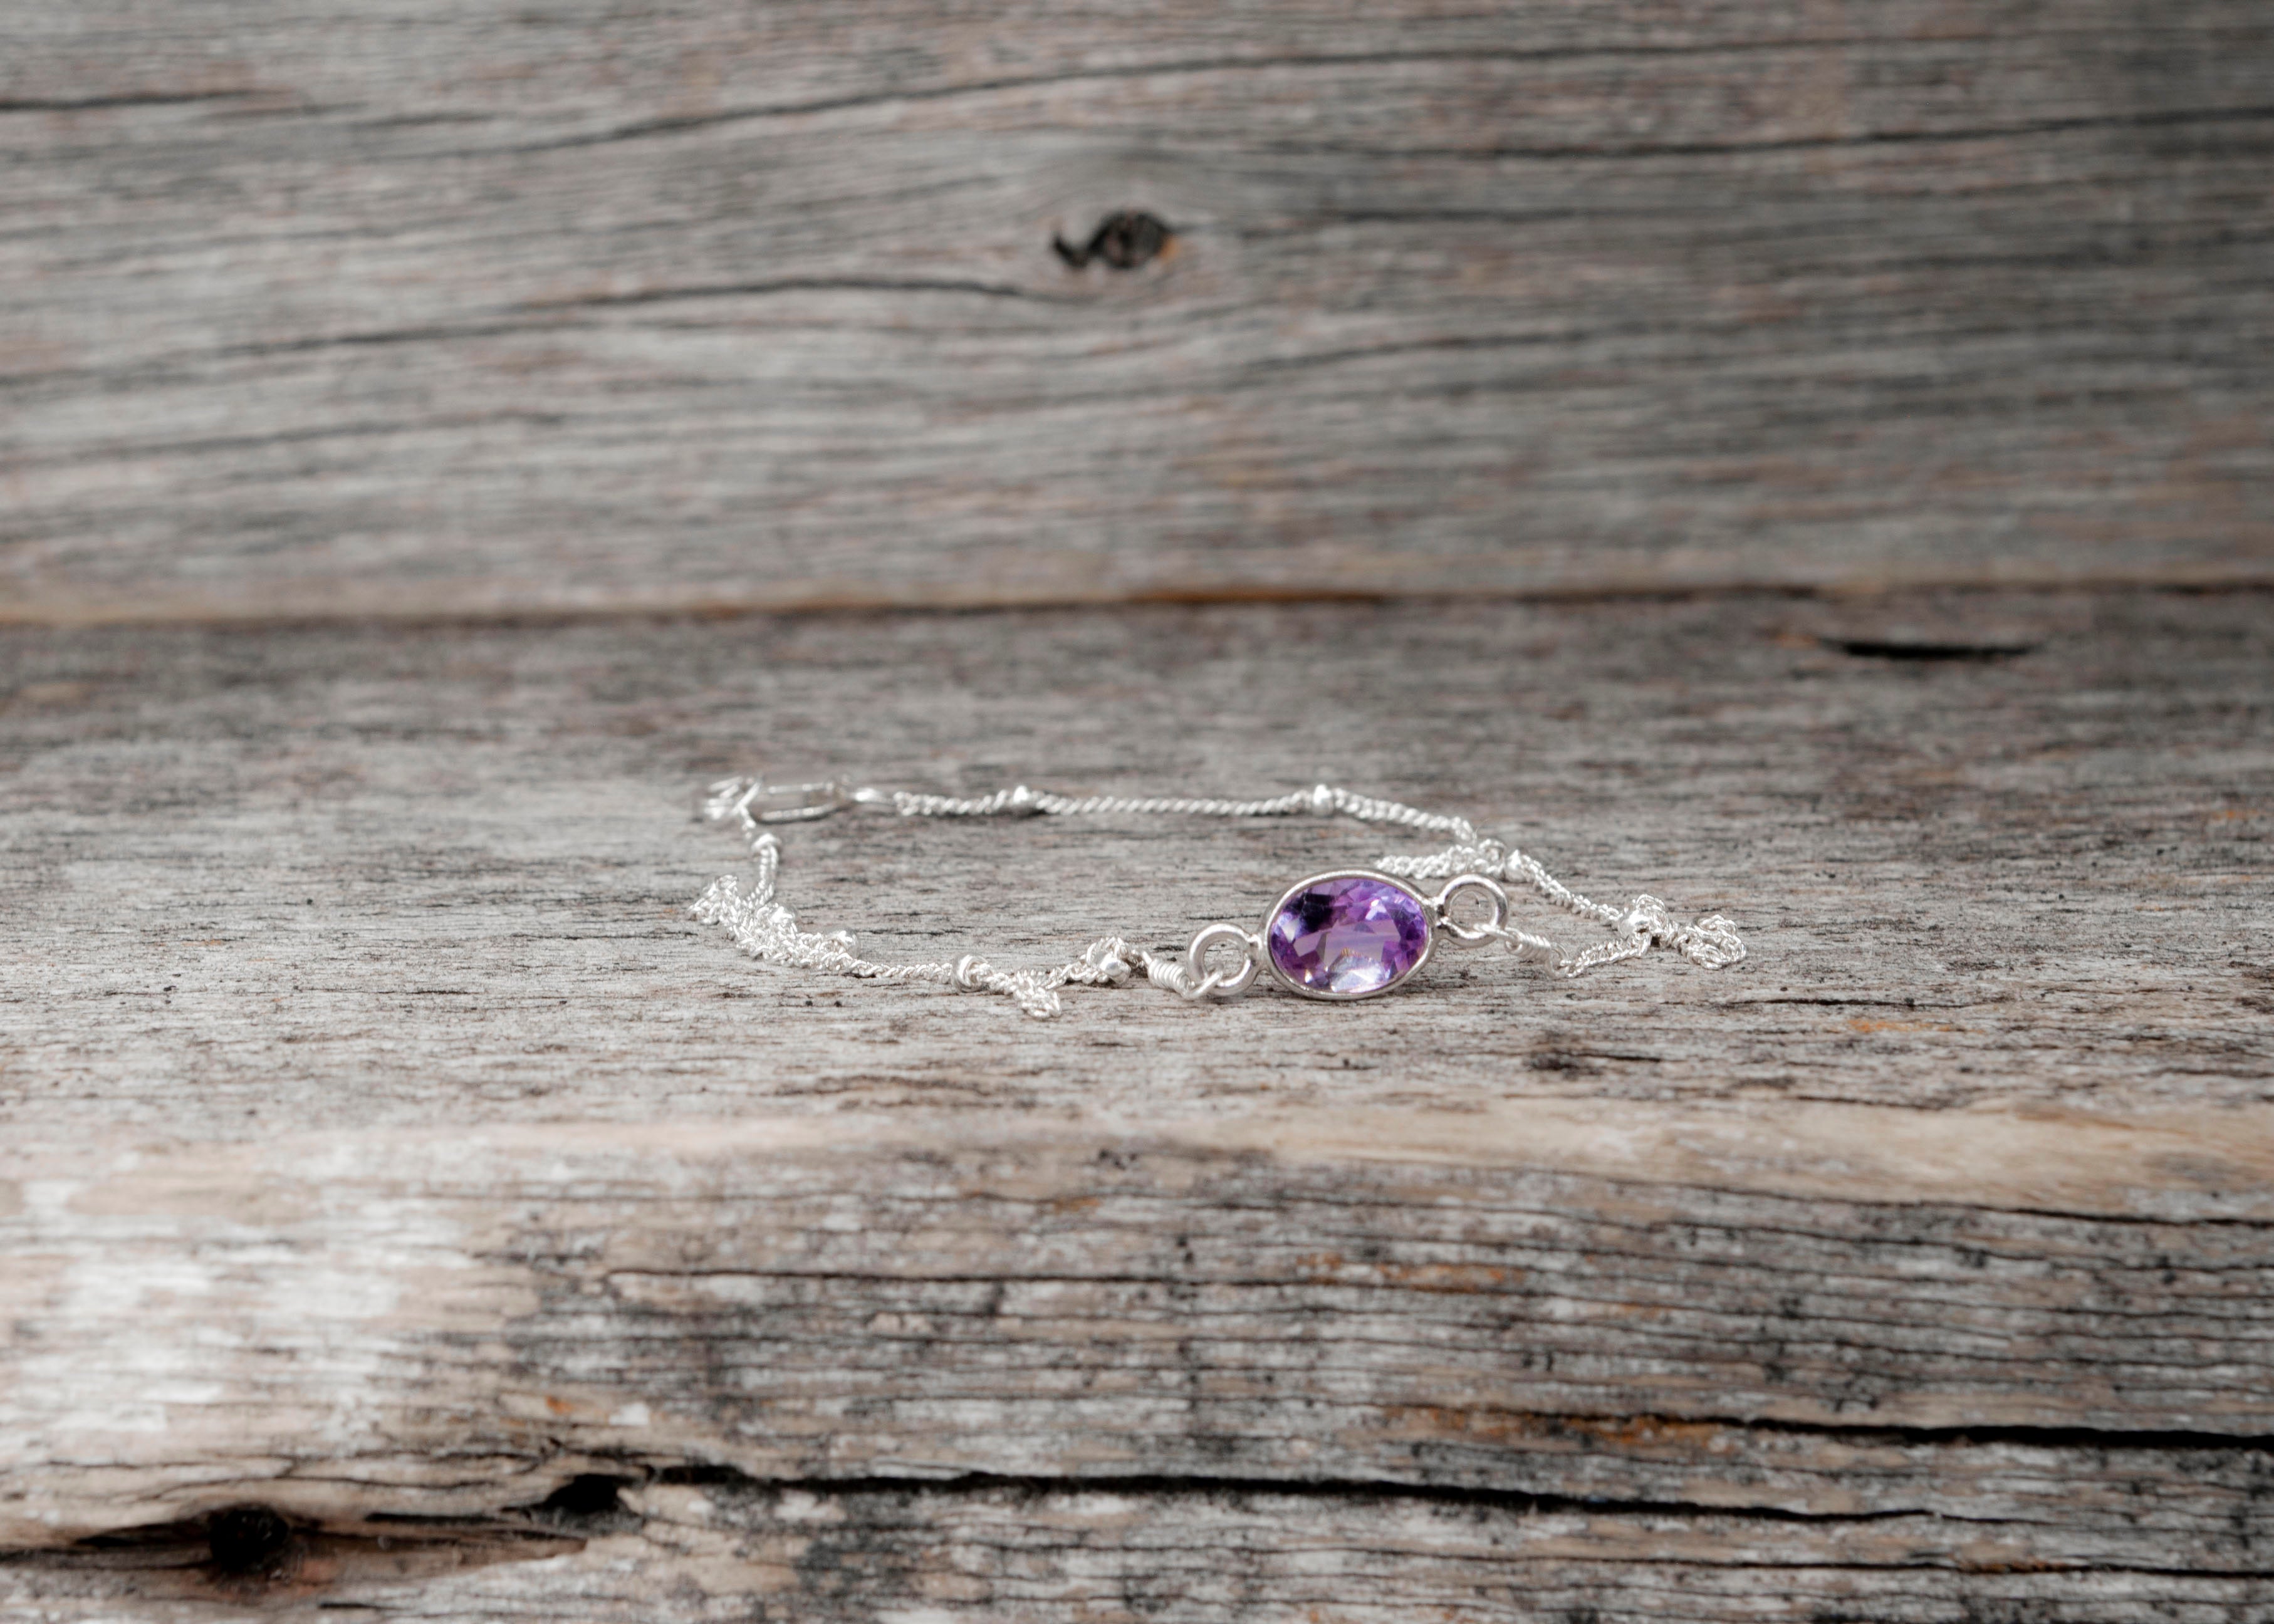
(1343, 934)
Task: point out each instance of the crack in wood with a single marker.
(125, 99)
(2159, 118)
(1186, 67)
(1928, 649)
(251, 1549)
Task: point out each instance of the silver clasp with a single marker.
(761, 803)
(795, 803)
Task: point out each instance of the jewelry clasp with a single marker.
(761, 802)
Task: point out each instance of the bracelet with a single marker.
(1343, 934)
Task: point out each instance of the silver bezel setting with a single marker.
(1428, 935)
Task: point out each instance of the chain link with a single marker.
(768, 930)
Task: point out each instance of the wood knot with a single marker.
(1124, 240)
(249, 1542)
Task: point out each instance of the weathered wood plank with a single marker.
(411, 306)
(719, 1550)
(445, 870)
(386, 1147)
(418, 1327)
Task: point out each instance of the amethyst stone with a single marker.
(1347, 934)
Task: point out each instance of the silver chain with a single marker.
(767, 929)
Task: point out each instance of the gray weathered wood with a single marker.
(446, 869)
(1372, 1317)
(410, 305)
(387, 1148)
(728, 1551)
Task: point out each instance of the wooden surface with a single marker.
(387, 1150)
(1809, 463)
(447, 868)
(1385, 1364)
(415, 306)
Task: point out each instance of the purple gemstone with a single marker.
(1349, 934)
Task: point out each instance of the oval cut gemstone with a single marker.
(1348, 935)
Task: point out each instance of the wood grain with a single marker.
(1439, 1334)
(387, 1148)
(711, 1550)
(400, 306)
(446, 869)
